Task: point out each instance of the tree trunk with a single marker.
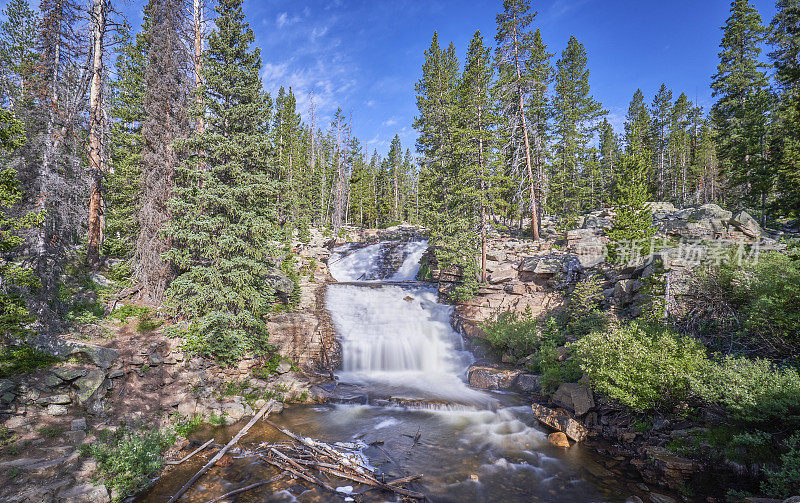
(96, 219)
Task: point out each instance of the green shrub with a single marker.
(185, 426)
(752, 390)
(751, 307)
(125, 311)
(582, 314)
(509, 332)
(785, 481)
(127, 459)
(643, 367)
(148, 323)
(23, 359)
(555, 371)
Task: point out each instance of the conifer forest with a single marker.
(521, 290)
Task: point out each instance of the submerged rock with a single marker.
(560, 420)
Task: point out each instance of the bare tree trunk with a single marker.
(534, 218)
(197, 21)
(96, 219)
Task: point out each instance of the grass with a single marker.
(23, 359)
(51, 431)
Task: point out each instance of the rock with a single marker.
(52, 381)
(501, 275)
(747, 224)
(793, 499)
(6, 386)
(660, 207)
(233, 412)
(575, 397)
(558, 439)
(688, 229)
(85, 493)
(528, 383)
(56, 410)
(280, 282)
(408, 298)
(709, 211)
(100, 280)
(7, 397)
(79, 424)
(155, 359)
(485, 377)
(497, 256)
(116, 373)
(55, 399)
(17, 422)
(68, 374)
(633, 499)
(560, 420)
(661, 498)
(283, 367)
(548, 265)
(89, 385)
(76, 437)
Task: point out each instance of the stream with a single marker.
(403, 383)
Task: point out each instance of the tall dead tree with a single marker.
(99, 14)
(165, 106)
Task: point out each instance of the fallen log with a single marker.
(191, 454)
(264, 410)
(246, 488)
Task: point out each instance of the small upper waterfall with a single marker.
(397, 338)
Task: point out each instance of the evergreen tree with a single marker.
(166, 120)
(225, 224)
(681, 179)
(16, 280)
(519, 72)
(575, 115)
(660, 113)
(741, 113)
(126, 144)
(632, 226)
(18, 54)
(784, 38)
(609, 157)
(637, 127)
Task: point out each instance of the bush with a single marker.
(752, 390)
(752, 306)
(582, 314)
(127, 459)
(125, 311)
(508, 332)
(555, 371)
(643, 367)
(23, 359)
(785, 482)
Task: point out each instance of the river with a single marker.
(402, 388)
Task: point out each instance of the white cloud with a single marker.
(284, 19)
(389, 122)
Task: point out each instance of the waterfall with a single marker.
(396, 338)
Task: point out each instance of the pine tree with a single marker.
(518, 73)
(609, 157)
(633, 222)
(225, 229)
(475, 185)
(126, 144)
(18, 55)
(576, 113)
(637, 127)
(660, 114)
(166, 120)
(679, 151)
(741, 113)
(16, 280)
(785, 41)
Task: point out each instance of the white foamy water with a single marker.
(397, 336)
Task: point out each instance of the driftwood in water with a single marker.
(264, 410)
(303, 454)
(191, 453)
(246, 488)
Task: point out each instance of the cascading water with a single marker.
(396, 338)
(402, 393)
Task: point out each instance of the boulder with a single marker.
(56, 410)
(6, 386)
(79, 424)
(89, 386)
(558, 439)
(660, 207)
(85, 493)
(233, 412)
(661, 498)
(709, 211)
(280, 282)
(68, 374)
(560, 420)
(528, 383)
(575, 397)
(100, 280)
(502, 275)
(688, 229)
(747, 224)
(485, 377)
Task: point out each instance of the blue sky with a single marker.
(366, 55)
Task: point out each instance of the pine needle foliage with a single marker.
(225, 231)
